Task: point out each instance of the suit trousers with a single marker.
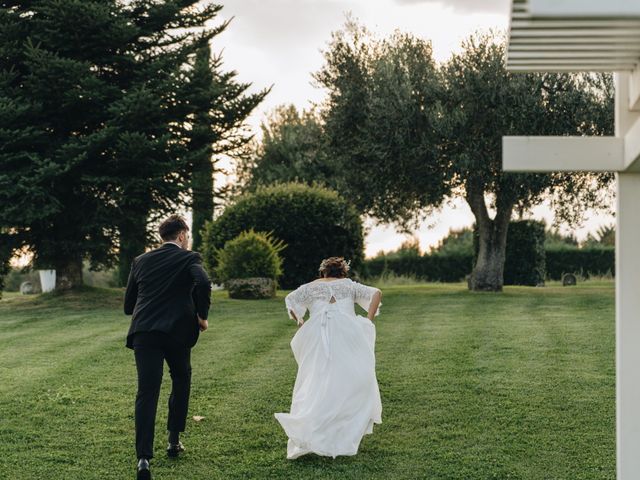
(151, 350)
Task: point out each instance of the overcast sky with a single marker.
(279, 43)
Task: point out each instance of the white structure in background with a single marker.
(47, 280)
(582, 36)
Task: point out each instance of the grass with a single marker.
(518, 385)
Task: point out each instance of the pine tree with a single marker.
(219, 107)
(95, 123)
(53, 94)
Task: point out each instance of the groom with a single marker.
(169, 294)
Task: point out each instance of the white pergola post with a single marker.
(627, 300)
(628, 327)
(584, 36)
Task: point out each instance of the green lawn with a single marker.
(518, 385)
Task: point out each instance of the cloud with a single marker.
(466, 6)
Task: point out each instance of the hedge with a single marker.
(586, 262)
(430, 268)
(597, 261)
(314, 223)
(525, 254)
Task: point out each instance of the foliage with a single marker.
(457, 241)
(605, 236)
(380, 122)
(250, 254)
(6, 251)
(555, 240)
(585, 262)
(484, 102)
(421, 134)
(96, 104)
(314, 223)
(435, 267)
(292, 149)
(219, 107)
(410, 248)
(525, 254)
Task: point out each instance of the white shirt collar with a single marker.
(176, 244)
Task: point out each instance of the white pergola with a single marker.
(583, 36)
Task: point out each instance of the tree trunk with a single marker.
(133, 242)
(202, 187)
(69, 273)
(488, 272)
(5, 256)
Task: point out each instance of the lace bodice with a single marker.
(310, 294)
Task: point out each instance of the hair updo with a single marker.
(334, 267)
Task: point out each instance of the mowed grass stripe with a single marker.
(482, 386)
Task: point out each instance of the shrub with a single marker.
(598, 261)
(249, 255)
(436, 267)
(313, 222)
(525, 255)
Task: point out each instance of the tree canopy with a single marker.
(96, 117)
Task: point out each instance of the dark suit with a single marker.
(167, 287)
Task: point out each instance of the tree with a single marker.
(200, 113)
(483, 102)
(52, 99)
(380, 122)
(220, 106)
(410, 135)
(605, 236)
(292, 149)
(96, 122)
(457, 241)
(553, 239)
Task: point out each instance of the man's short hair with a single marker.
(171, 227)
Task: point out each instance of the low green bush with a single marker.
(249, 255)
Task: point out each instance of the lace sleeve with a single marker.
(363, 295)
(297, 302)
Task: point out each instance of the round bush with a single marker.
(249, 255)
(313, 222)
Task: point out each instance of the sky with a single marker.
(279, 44)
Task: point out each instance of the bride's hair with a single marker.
(334, 267)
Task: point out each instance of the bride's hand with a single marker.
(300, 323)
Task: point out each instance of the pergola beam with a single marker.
(583, 8)
(562, 154)
(567, 68)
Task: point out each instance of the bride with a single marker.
(336, 399)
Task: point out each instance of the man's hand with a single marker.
(204, 324)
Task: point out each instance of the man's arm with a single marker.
(131, 294)
(202, 290)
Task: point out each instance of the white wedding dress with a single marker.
(336, 399)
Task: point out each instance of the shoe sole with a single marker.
(144, 475)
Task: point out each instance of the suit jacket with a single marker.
(166, 288)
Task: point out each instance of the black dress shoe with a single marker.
(175, 449)
(144, 471)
